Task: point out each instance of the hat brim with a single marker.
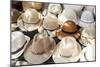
(31, 26)
(60, 34)
(37, 59)
(14, 56)
(58, 59)
(85, 25)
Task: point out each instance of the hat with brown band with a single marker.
(69, 28)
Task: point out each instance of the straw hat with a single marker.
(88, 53)
(19, 43)
(14, 15)
(76, 8)
(69, 28)
(87, 19)
(68, 50)
(88, 36)
(40, 50)
(50, 22)
(34, 5)
(67, 14)
(90, 8)
(30, 20)
(55, 8)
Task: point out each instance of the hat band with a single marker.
(69, 32)
(37, 53)
(19, 48)
(86, 22)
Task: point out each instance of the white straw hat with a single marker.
(50, 22)
(40, 50)
(67, 14)
(19, 43)
(55, 8)
(34, 5)
(30, 20)
(90, 8)
(14, 15)
(88, 36)
(68, 50)
(76, 8)
(87, 19)
(88, 53)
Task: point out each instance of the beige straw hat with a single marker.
(40, 49)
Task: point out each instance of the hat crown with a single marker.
(18, 40)
(67, 14)
(87, 16)
(69, 26)
(67, 46)
(41, 44)
(31, 16)
(55, 8)
(50, 22)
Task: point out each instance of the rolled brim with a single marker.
(58, 59)
(37, 59)
(86, 25)
(14, 56)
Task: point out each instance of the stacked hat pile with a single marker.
(65, 33)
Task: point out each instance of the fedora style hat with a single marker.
(29, 20)
(88, 53)
(19, 43)
(55, 8)
(34, 5)
(50, 22)
(87, 19)
(69, 28)
(40, 49)
(68, 50)
(76, 8)
(14, 15)
(88, 36)
(67, 14)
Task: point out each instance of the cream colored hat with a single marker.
(30, 20)
(88, 36)
(76, 8)
(18, 44)
(40, 50)
(88, 53)
(87, 19)
(14, 15)
(55, 8)
(67, 14)
(68, 50)
(50, 22)
(34, 5)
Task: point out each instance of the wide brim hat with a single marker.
(38, 59)
(59, 59)
(29, 26)
(18, 54)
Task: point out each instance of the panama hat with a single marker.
(68, 50)
(34, 5)
(50, 22)
(88, 53)
(69, 28)
(76, 8)
(55, 8)
(30, 20)
(67, 14)
(87, 19)
(19, 43)
(14, 15)
(40, 49)
(88, 36)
